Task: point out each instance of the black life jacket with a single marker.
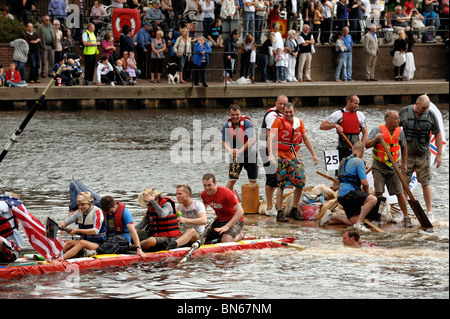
(343, 177)
(421, 130)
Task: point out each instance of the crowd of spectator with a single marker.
(278, 37)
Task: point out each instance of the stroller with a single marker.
(122, 77)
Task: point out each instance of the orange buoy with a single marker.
(250, 198)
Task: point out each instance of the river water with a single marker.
(121, 152)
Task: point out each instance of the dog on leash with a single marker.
(172, 73)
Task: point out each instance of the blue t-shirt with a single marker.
(354, 167)
(126, 219)
(348, 41)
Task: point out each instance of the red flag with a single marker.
(35, 231)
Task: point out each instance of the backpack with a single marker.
(427, 37)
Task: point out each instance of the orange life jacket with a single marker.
(392, 141)
(289, 137)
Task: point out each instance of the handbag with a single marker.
(313, 50)
(399, 58)
(392, 51)
(271, 60)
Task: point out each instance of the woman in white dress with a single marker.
(410, 67)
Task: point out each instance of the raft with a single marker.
(23, 267)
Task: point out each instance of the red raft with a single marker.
(16, 270)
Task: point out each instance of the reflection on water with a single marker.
(122, 152)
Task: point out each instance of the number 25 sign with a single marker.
(331, 160)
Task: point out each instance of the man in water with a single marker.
(351, 238)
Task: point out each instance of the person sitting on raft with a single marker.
(158, 229)
(230, 216)
(191, 216)
(91, 226)
(118, 237)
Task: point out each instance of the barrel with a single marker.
(250, 198)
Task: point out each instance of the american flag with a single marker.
(35, 231)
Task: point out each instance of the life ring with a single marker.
(121, 17)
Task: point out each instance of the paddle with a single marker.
(415, 205)
(52, 227)
(13, 139)
(288, 244)
(196, 244)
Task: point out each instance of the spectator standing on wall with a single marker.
(34, 56)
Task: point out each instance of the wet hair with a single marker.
(352, 232)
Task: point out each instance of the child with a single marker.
(105, 72)
(12, 77)
(75, 70)
(124, 74)
(280, 60)
(318, 18)
(340, 47)
(132, 67)
(253, 60)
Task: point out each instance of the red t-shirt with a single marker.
(222, 203)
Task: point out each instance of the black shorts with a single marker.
(235, 169)
(211, 234)
(269, 168)
(114, 245)
(353, 201)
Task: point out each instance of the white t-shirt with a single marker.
(191, 212)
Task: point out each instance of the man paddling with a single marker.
(418, 122)
(230, 215)
(384, 173)
(286, 135)
(238, 139)
(348, 121)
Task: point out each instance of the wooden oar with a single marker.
(288, 244)
(196, 244)
(15, 136)
(415, 205)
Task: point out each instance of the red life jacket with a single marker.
(163, 227)
(6, 228)
(288, 136)
(118, 220)
(350, 123)
(242, 136)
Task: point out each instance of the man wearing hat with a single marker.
(142, 39)
(158, 229)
